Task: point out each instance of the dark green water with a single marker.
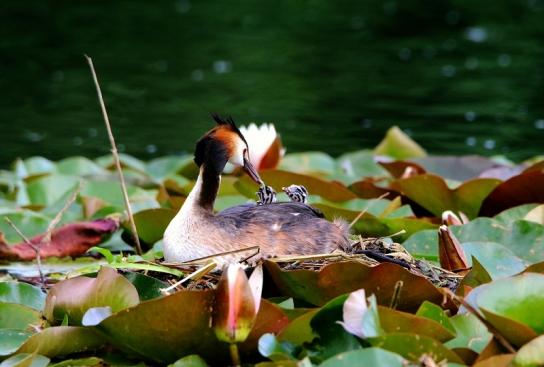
(459, 76)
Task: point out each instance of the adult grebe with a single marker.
(287, 228)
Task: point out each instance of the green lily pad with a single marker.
(11, 340)
(148, 287)
(163, 167)
(127, 161)
(311, 163)
(151, 223)
(524, 238)
(79, 166)
(26, 360)
(83, 362)
(431, 311)
(110, 191)
(23, 294)
(471, 333)
(398, 145)
(531, 354)
(62, 340)
(299, 330)
(38, 165)
(517, 298)
(413, 346)
(355, 165)
(73, 297)
(49, 189)
(29, 222)
(497, 259)
(375, 357)
(16, 316)
(189, 361)
(394, 321)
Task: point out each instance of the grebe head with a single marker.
(225, 143)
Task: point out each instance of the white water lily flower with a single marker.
(265, 149)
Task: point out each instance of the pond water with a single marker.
(460, 77)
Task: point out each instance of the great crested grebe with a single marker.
(286, 228)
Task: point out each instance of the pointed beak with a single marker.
(252, 172)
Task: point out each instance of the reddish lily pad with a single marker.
(522, 189)
(343, 277)
(330, 190)
(73, 297)
(432, 193)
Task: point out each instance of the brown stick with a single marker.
(115, 158)
(32, 246)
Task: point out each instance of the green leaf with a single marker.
(110, 191)
(398, 145)
(163, 167)
(75, 296)
(312, 163)
(396, 321)
(151, 223)
(62, 340)
(375, 357)
(531, 354)
(38, 165)
(519, 298)
(16, 316)
(22, 293)
(49, 189)
(127, 161)
(83, 362)
(413, 346)
(431, 311)
(79, 166)
(299, 330)
(356, 165)
(190, 361)
(11, 340)
(471, 333)
(148, 287)
(26, 360)
(275, 350)
(29, 222)
(498, 260)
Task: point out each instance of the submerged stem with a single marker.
(234, 355)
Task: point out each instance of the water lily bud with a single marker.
(449, 218)
(451, 254)
(235, 309)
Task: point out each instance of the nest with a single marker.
(369, 251)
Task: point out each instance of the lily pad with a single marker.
(521, 189)
(29, 222)
(26, 360)
(343, 277)
(11, 340)
(16, 316)
(73, 297)
(311, 163)
(23, 294)
(375, 357)
(398, 145)
(49, 189)
(470, 332)
(413, 346)
(79, 166)
(519, 298)
(151, 223)
(433, 193)
(531, 354)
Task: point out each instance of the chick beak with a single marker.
(252, 172)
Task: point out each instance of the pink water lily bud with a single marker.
(265, 148)
(449, 218)
(236, 306)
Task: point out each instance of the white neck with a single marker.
(180, 237)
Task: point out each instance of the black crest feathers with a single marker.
(221, 121)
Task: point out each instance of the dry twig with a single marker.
(116, 159)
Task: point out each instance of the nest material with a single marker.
(369, 251)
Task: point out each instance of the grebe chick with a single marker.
(297, 193)
(266, 195)
(277, 228)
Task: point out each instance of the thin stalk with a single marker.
(32, 246)
(234, 355)
(116, 159)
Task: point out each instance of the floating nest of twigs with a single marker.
(369, 251)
